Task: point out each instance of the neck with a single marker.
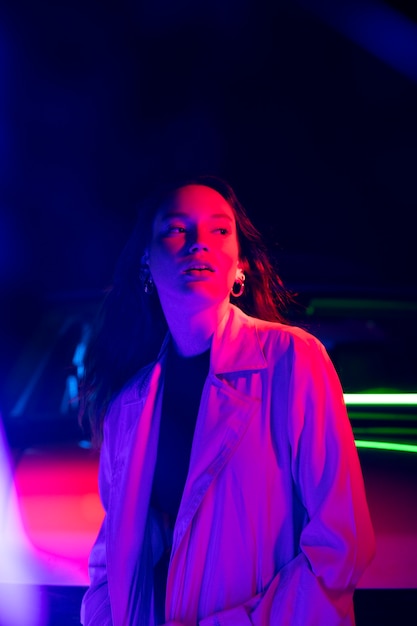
(193, 332)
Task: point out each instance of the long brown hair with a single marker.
(130, 326)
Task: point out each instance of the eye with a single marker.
(174, 229)
(222, 230)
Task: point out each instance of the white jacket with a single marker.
(273, 526)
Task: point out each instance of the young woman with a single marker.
(229, 476)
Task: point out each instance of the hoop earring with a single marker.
(148, 286)
(146, 278)
(238, 286)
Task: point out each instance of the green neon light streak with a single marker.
(381, 399)
(387, 445)
(359, 304)
(393, 431)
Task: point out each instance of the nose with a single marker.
(198, 242)
(197, 246)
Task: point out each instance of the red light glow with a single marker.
(60, 509)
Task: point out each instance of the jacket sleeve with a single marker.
(337, 541)
(95, 607)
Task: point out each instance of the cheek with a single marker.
(160, 256)
(231, 260)
(229, 271)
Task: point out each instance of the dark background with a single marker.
(308, 108)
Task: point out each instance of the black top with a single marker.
(184, 380)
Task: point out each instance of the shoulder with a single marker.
(126, 407)
(125, 403)
(251, 343)
(279, 335)
(297, 355)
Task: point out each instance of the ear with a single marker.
(240, 270)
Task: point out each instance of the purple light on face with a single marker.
(20, 604)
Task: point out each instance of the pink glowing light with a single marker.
(60, 509)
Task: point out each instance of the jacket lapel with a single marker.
(225, 411)
(132, 482)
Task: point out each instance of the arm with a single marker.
(95, 607)
(337, 541)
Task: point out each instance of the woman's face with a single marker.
(194, 254)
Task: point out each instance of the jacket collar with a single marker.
(236, 346)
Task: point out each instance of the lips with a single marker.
(198, 267)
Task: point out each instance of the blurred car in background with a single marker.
(372, 340)
(53, 464)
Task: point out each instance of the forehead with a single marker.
(196, 201)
